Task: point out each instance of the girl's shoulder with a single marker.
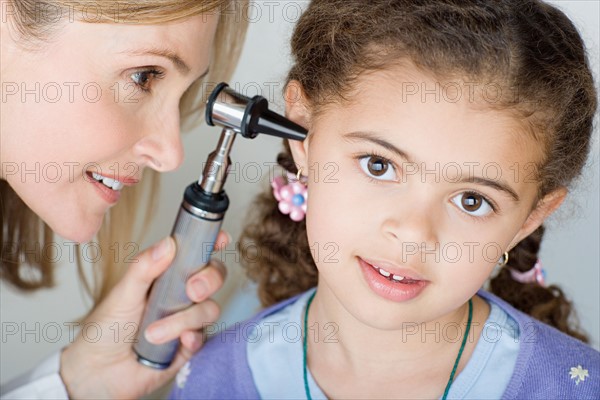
(220, 369)
(550, 363)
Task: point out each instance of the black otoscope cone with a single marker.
(273, 124)
(258, 119)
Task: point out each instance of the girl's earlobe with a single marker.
(300, 153)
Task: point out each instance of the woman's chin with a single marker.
(77, 231)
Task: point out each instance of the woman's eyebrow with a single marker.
(177, 61)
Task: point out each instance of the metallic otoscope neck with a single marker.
(215, 170)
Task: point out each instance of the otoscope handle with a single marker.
(195, 232)
(202, 211)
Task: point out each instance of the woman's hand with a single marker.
(100, 363)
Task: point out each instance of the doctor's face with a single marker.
(83, 115)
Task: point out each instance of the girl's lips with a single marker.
(390, 289)
(395, 270)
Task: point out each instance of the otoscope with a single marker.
(203, 208)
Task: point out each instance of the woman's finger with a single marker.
(150, 263)
(223, 239)
(206, 282)
(192, 341)
(191, 319)
(185, 353)
(143, 270)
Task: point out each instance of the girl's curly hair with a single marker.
(523, 44)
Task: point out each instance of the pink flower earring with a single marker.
(291, 195)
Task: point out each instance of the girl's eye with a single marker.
(143, 79)
(378, 167)
(473, 204)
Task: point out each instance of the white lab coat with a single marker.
(42, 382)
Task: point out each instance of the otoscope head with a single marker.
(248, 116)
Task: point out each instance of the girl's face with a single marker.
(99, 98)
(414, 195)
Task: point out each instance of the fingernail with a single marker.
(155, 334)
(161, 249)
(229, 238)
(200, 288)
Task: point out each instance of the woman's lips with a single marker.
(395, 284)
(125, 180)
(109, 195)
(109, 187)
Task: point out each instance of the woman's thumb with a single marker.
(150, 264)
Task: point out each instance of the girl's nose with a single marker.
(411, 222)
(161, 146)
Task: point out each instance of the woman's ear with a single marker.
(544, 208)
(297, 110)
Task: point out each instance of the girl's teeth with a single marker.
(396, 278)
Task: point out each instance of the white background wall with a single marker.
(570, 250)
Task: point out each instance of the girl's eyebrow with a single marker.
(499, 185)
(371, 137)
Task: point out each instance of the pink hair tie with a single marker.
(291, 196)
(534, 275)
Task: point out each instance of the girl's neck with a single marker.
(358, 351)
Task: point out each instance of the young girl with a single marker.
(441, 135)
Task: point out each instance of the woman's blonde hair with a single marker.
(26, 266)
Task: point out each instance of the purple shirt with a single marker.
(550, 364)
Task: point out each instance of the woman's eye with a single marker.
(378, 168)
(473, 204)
(143, 79)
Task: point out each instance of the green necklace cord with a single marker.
(306, 388)
(305, 340)
(462, 347)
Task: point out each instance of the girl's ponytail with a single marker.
(547, 304)
(275, 250)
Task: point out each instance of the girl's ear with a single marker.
(296, 109)
(543, 210)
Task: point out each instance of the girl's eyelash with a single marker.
(156, 74)
(488, 200)
(493, 206)
(374, 154)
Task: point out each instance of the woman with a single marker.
(96, 92)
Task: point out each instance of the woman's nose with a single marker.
(161, 145)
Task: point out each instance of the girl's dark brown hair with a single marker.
(529, 48)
